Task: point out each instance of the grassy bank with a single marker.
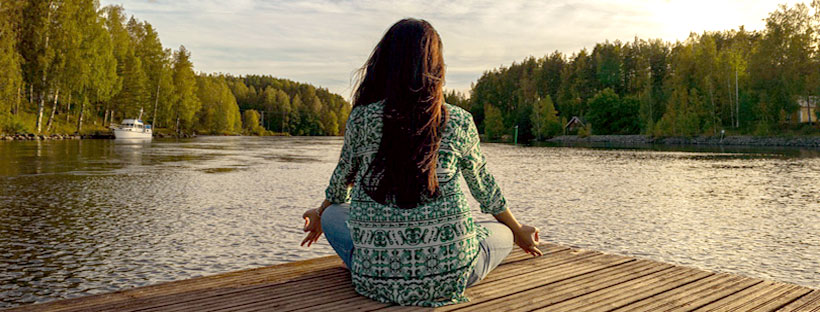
(25, 123)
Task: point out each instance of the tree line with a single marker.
(291, 107)
(738, 81)
(70, 66)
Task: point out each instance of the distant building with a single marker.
(574, 124)
(807, 109)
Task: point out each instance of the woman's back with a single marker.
(407, 234)
(422, 255)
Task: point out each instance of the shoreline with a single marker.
(739, 140)
(96, 135)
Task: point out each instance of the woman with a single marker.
(407, 234)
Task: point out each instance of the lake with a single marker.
(93, 216)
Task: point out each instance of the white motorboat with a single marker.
(133, 129)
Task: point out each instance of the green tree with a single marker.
(164, 102)
(294, 118)
(545, 122)
(607, 62)
(781, 63)
(115, 20)
(250, 123)
(577, 85)
(65, 31)
(609, 114)
(219, 113)
(133, 96)
(456, 98)
(186, 103)
(11, 78)
(155, 64)
(37, 50)
(99, 68)
(78, 23)
(330, 124)
(493, 123)
(549, 75)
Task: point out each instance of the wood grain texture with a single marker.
(564, 279)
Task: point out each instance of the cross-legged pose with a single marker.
(394, 210)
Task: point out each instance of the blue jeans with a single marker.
(492, 249)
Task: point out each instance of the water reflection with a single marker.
(84, 217)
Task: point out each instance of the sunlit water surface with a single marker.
(87, 217)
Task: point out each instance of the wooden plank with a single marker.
(765, 296)
(292, 303)
(563, 279)
(170, 302)
(546, 294)
(544, 277)
(548, 265)
(272, 274)
(536, 264)
(556, 256)
(360, 303)
(269, 295)
(693, 295)
(283, 291)
(808, 303)
(200, 298)
(517, 254)
(628, 292)
(504, 287)
(155, 302)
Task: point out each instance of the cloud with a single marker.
(324, 42)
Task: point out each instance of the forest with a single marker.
(71, 66)
(737, 81)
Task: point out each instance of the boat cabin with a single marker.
(134, 124)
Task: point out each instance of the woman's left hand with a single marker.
(313, 226)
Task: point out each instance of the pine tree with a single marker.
(186, 103)
(154, 61)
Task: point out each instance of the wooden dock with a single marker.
(564, 279)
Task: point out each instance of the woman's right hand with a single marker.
(313, 226)
(527, 238)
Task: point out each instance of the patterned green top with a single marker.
(421, 256)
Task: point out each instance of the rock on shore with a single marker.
(714, 140)
(40, 137)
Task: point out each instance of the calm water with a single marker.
(86, 217)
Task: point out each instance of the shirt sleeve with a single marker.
(479, 180)
(338, 190)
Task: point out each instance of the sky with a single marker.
(324, 42)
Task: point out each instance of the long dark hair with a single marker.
(406, 70)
